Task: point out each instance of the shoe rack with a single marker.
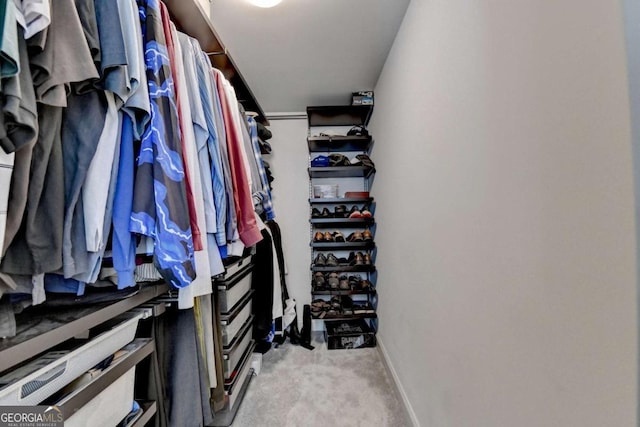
(342, 228)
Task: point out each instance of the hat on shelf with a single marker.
(336, 159)
(263, 133)
(320, 161)
(362, 159)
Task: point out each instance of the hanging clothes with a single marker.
(160, 205)
(247, 226)
(263, 195)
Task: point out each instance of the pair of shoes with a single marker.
(356, 236)
(340, 211)
(360, 284)
(315, 213)
(319, 236)
(360, 236)
(320, 260)
(327, 236)
(359, 258)
(344, 283)
(318, 282)
(356, 212)
(329, 260)
(333, 280)
(319, 308)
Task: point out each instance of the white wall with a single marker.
(505, 214)
(289, 161)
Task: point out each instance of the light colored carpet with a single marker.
(301, 388)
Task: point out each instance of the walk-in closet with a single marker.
(295, 213)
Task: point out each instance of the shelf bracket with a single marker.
(220, 52)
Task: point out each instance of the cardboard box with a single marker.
(364, 97)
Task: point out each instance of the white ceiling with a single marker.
(308, 52)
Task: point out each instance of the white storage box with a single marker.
(107, 408)
(40, 378)
(325, 191)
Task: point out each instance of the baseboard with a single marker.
(396, 382)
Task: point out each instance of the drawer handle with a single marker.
(44, 379)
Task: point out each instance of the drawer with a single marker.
(30, 384)
(231, 291)
(232, 269)
(232, 322)
(103, 397)
(233, 355)
(233, 387)
(109, 407)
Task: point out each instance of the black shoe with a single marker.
(315, 213)
(326, 213)
(341, 211)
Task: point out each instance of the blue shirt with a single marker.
(160, 198)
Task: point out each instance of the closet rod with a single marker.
(221, 52)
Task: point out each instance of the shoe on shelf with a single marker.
(328, 237)
(355, 212)
(344, 283)
(365, 285)
(318, 237)
(319, 306)
(320, 260)
(347, 305)
(333, 281)
(366, 258)
(340, 211)
(358, 259)
(331, 261)
(356, 236)
(318, 281)
(315, 213)
(355, 282)
(366, 213)
(326, 213)
(338, 236)
(367, 236)
(343, 261)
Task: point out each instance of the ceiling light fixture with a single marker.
(265, 3)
